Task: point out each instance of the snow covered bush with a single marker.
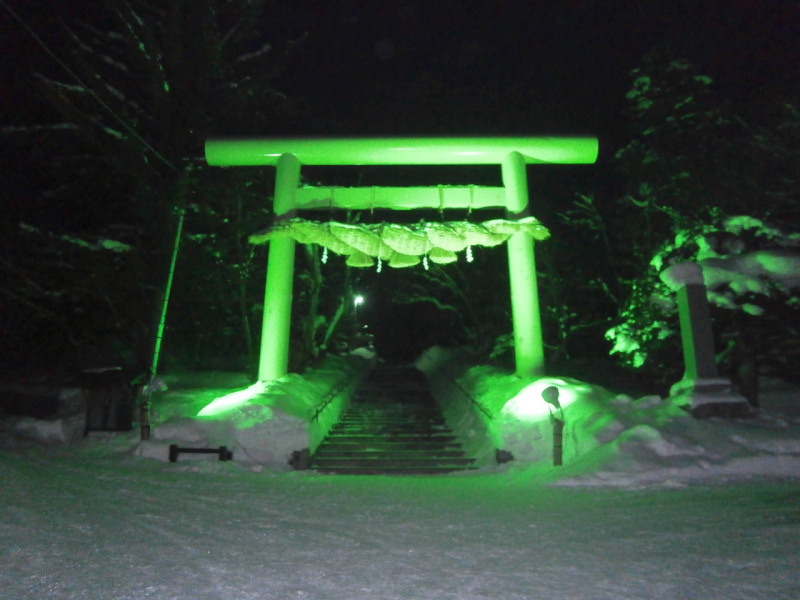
(752, 273)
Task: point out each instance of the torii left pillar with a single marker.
(274, 360)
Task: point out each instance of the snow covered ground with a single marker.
(649, 504)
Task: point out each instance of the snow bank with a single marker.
(266, 424)
(674, 450)
(493, 410)
(65, 426)
(609, 439)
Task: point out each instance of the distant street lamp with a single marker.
(357, 299)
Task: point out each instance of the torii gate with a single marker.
(511, 153)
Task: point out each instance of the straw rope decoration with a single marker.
(440, 256)
(359, 259)
(405, 239)
(399, 261)
(400, 245)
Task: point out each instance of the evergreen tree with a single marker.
(702, 183)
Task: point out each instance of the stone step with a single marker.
(383, 445)
(413, 419)
(387, 421)
(399, 438)
(392, 407)
(390, 432)
(393, 470)
(393, 426)
(388, 428)
(387, 454)
(393, 413)
(374, 463)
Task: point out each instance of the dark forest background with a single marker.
(105, 107)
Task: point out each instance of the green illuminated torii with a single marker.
(511, 153)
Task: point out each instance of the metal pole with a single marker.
(144, 405)
(160, 334)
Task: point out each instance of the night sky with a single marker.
(523, 67)
(450, 67)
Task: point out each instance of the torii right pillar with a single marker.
(528, 345)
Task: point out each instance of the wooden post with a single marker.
(558, 441)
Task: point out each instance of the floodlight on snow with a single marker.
(232, 400)
(535, 401)
(550, 395)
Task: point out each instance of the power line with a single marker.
(74, 75)
(122, 121)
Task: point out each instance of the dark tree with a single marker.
(120, 103)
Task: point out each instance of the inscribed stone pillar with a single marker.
(701, 388)
(696, 333)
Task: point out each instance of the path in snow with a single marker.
(83, 526)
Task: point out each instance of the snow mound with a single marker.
(65, 426)
(264, 424)
(608, 439)
(63, 430)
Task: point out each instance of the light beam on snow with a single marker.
(232, 400)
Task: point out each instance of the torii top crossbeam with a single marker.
(233, 152)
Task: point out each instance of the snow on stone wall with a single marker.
(267, 428)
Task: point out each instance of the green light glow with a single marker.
(401, 151)
(232, 400)
(528, 404)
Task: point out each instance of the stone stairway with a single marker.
(393, 426)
